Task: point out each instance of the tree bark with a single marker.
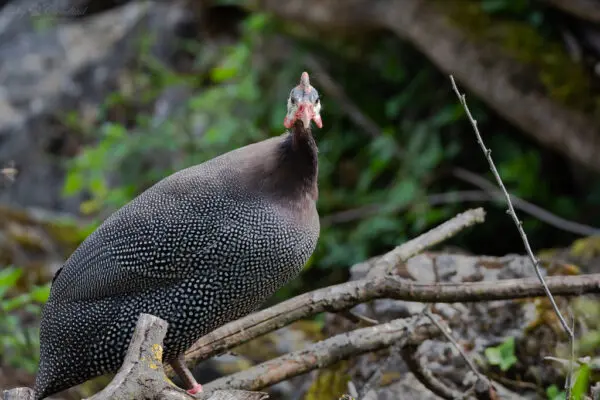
(142, 375)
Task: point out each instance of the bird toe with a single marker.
(196, 389)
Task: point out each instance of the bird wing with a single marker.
(137, 249)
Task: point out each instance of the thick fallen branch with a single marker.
(22, 393)
(399, 332)
(347, 295)
(142, 376)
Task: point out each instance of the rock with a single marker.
(475, 326)
(50, 68)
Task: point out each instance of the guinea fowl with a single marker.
(202, 247)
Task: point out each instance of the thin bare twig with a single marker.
(333, 89)
(482, 380)
(387, 262)
(459, 196)
(399, 332)
(445, 331)
(425, 376)
(357, 318)
(525, 206)
(376, 375)
(511, 211)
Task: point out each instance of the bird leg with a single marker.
(181, 369)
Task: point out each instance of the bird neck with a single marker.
(298, 162)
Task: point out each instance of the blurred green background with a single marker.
(397, 154)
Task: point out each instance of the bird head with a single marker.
(303, 105)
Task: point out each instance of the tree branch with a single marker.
(22, 393)
(347, 295)
(399, 332)
(483, 386)
(459, 196)
(142, 376)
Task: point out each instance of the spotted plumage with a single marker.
(200, 248)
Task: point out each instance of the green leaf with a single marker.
(257, 21)
(8, 278)
(15, 302)
(40, 293)
(220, 74)
(493, 355)
(580, 388)
(553, 393)
(73, 183)
(403, 193)
(114, 131)
(502, 355)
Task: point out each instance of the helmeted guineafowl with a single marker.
(198, 249)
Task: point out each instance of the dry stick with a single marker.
(464, 355)
(486, 383)
(459, 196)
(389, 261)
(444, 231)
(425, 376)
(141, 375)
(511, 211)
(401, 332)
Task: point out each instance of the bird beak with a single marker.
(306, 113)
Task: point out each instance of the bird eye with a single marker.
(293, 100)
(317, 100)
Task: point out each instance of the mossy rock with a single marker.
(586, 249)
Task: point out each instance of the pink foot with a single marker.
(196, 389)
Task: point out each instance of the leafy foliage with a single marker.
(502, 355)
(19, 341)
(554, 393)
